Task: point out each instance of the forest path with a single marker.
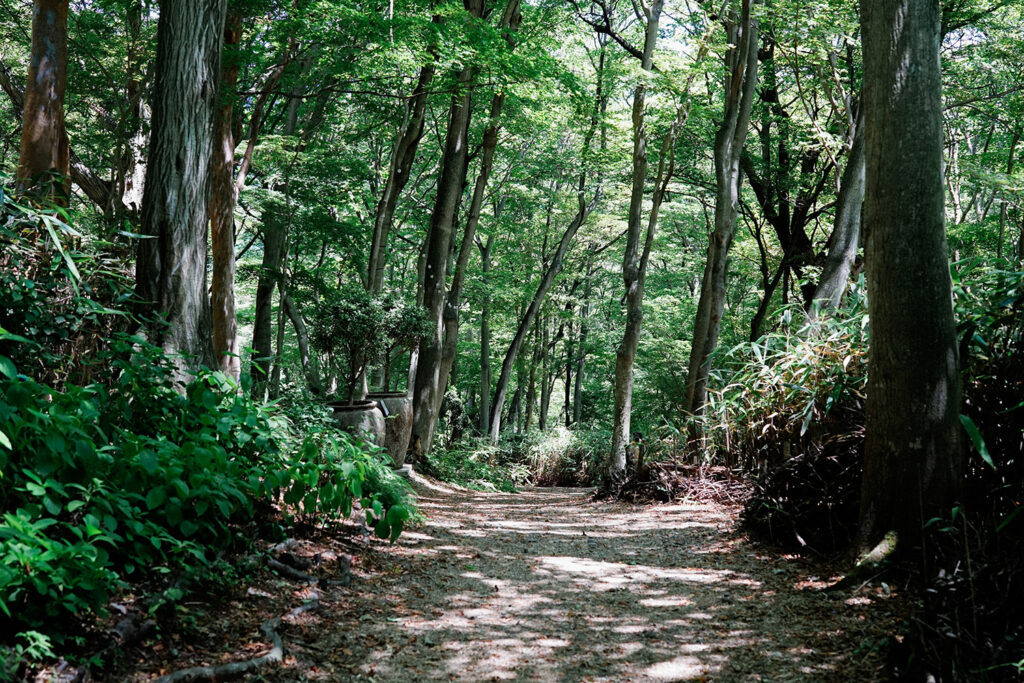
(544, 585)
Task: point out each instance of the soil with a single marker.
(545, 585)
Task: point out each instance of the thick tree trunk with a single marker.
(439, 361)
(44, 162)
(402, 156)
(912, 454)
(171, 268)
(222, 212)
(427, 388)
(845, 238)
(739, 96)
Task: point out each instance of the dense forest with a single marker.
(266, 263)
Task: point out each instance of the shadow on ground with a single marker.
(547, 586)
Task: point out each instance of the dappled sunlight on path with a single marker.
(547, 586)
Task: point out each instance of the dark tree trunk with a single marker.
(44, 162)
(402, 157)
(485, 340)
(739, 96)
(222, 212)
(427, 388)
(171, 268)
(912, 455)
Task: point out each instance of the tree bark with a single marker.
(485, 339)
(171, 268)
(912, 455)
(845, 236)
(427, 388)
(44, 161)
(402, 156)
(223, 196)
(739, 95)
(634, 265)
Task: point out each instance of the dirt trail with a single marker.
(544, 585)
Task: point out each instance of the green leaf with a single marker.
(383, 529)
(148, 461)
(4, 441)
(7, 367)
(156, 497)
(977, 440)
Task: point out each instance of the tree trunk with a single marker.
(402, 157)
(912, 455)
(274, 230)
(741, 61)
(545, 381)
(845, 236)
(171, 268)
(310, 363)
(485, 340)
(44, 165)
(427, 388)
(554, 267)
(222, 212)
(581, 352)
(276, 219)
(633, 265)
(442, 359)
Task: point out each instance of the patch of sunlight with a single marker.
(682, 668)
(618, 573)
(666, 602)
(552, 642)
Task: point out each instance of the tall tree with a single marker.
(223, 196)
(741, 78)
(634, 260)
(171, 268)
(44, 161)
(912, 458)
(428, 387)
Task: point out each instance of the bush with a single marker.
(131, 478)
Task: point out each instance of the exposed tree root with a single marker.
(236, 669)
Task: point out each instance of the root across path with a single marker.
(544, 585)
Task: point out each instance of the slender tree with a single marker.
(429, 384)
(741, 77)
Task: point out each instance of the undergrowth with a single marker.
(112, 476)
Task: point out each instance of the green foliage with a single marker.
(349, 325)
(477, 465)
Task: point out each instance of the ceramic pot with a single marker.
(397, 409)
(363, 419)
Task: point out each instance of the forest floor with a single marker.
(545, 585)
